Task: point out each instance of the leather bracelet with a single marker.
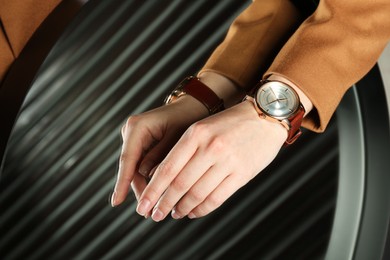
(295, 126)
(194, 87)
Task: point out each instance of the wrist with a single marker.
(223, 87)
(191, 106)
(276, 131)
(192, 86)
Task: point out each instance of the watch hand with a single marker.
(276, 100)
(273, 93)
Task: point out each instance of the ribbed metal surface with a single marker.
(121, 58)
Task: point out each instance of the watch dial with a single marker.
(278, 100)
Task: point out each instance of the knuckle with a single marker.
(180, 210)
(152, 193)
(123, 157)
(217, 144)
(127, 178)
(200, 211)
(198, 129)
(165, 169)
(196, 195)
(214, 201)
(165, 206)
(126, 158)
(132, 120)
(179, 184)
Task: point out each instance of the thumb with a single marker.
(155, 155)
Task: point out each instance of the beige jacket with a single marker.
(18, 21)
(324, 55)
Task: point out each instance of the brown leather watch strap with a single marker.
(295, 126)
(194, 87)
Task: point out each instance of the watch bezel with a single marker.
(284, 118)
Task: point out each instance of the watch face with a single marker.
(277, 100)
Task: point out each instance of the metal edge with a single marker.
(361, 220)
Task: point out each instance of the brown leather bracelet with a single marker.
(295, 126)
(194, 87)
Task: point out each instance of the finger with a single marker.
(134, 142)
(189, 175)
(226, 189)
(167, 170)
(138, 185)
(155, 155)
(199, 191)
(127, 164)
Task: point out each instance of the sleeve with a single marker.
(333, 49)
(6, 55)
(21, 18)
(330, 51)
(253, 40)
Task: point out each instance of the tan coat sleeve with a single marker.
(6, 54)
(253, 40)
(18, 21)
(329, 52)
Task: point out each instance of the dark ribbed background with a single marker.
(119, 58)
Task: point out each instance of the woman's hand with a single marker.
(147, 138)
(213, 159)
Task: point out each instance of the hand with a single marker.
(213, 159)
(147, 138)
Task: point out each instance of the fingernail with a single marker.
(142, 207)
(151, 173)
(191, 215)
(113, 199)
(175, 215)
(145, 169)
(157, 215)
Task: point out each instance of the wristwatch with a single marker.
(194, 87)
(278, 102)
